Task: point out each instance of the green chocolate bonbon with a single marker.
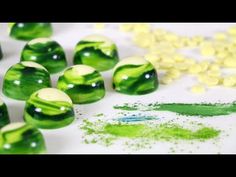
(97, 51)
(135, 76)
(4, 117)
(24, 78)
(28, 31)
(45, 52)
(82, 83)
(49, 108)
(21, 138)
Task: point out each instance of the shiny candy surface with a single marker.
(49, 108)
(24, 78)
(45, 52)
(96, 51)
(21, 138)
(135, 76)
(4, 117)
(82, 83)
(28, 31)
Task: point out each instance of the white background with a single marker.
(69, 139)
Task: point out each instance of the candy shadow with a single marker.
(69, 56)
(1, 81)
(55, 143)
(10, 49)
(108, 82)
(16, 112)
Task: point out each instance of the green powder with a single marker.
(147, 133)
(159, 132)
(202, 109)
(99, 115)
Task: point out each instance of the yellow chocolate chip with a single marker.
(211, 81)
(230, 62)
(141, 28)
(144, 39)
(220, 36)
(232, 30)
(229, 81)
(198, 89)
(99, 26)
(126, 27)
(166, 80)
(174, 73)
(207, 51)
(194, 69)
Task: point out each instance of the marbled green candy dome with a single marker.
(4, 117)
(135, 76)
(45, 52)
(49, 108)
(24, 78)
(97, 51)
(28, 31)
(1, 55)
(21, 138)
(82, 83)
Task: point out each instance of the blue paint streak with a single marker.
(135, 119)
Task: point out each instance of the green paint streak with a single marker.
(198, 109)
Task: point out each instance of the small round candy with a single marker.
(97, 51)
(45, 52)
(82, 83)
(135, 76)
(21, 138)
(1, 55)
(49, 108)
(28, 31)
(4, 117)
(24, 78)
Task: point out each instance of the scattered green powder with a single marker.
(107, 133)
(99, 115)
(202, 109)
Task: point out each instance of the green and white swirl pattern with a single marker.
(97, 51)
(28, 31)
(82, 83)
(24, 78)
(49, 108)
(135, 76)
(21, 138)
(45, 52)
(4, 117)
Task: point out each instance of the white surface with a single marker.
(69, 139)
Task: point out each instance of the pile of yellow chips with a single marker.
(163, 51)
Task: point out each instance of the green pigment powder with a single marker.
(160, 132)
(99, 115)
(148, 133)
(202, 109)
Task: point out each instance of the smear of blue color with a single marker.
(135, 119)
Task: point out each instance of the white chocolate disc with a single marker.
(12, 126)
(32, 64)
(39, 40)
(135, 60)
(82, 70)
(99, 38)
(52, 94)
